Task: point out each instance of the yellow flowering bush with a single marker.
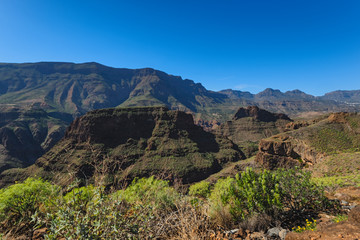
(310, 225)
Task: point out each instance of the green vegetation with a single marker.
(150, 208)
(334, 182)
(200, 189)
(266, 192)
(332, 140)
(338, 170)
(340, 218)
(149, 191)
(21, 201)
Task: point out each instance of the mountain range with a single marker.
(74, 89)
(38, 101)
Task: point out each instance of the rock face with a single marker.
(259, 114)
(251, 124)
(120, 144)
(25, 134)
(310, 142)
(286, 152)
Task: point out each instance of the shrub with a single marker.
(140, 211)
(19, 202)
(99, 217)
(149, 191)
(266, 193)
(254, 193)
(79, 198)
(200, 189)
(219, 209)
(299, 193)
(340, 217)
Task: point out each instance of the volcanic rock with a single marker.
(122, 143)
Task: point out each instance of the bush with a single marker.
(21, 201)
(200, 189)
(99, 217)
(149, 191)
(219, 209)
(255, 194)
(299, 193)
(79, 198)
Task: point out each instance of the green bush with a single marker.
(79, 198)
(98, 217)
(200, 189)
(265, 192)
(219, 198)
(19, 202)
(149, 191)
(132, 213)
(254, 193)
(299, 193)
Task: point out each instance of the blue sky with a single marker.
(312, 45)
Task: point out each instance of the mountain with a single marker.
(119, 144)
(293, 103)
(343, 96)
(250, 125)
(26, 134)
(68, 88)
(78, 88)
(63, 91)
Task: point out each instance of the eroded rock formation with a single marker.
(123, 143)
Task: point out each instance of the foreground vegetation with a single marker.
(149, 208)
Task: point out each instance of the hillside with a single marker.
(62, 91)
(335, 134)
(75, 89)
(26, 134)
(250, 125)
(116, 145)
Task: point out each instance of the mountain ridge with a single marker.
(64, 91)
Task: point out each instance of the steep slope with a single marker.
(78, 88)
(251, 124)
(338, 133)
(119, 144)
(25, 134)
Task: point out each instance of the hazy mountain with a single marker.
(343, 96)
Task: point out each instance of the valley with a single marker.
(144, 146)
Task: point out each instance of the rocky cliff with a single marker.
(310, 142)
(113, 145)
(251, 124)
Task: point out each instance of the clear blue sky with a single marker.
(311, 45)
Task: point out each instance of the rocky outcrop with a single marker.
(120, 144)
(310, 142)
(251, 124)
(286, 152)
(259, 114)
